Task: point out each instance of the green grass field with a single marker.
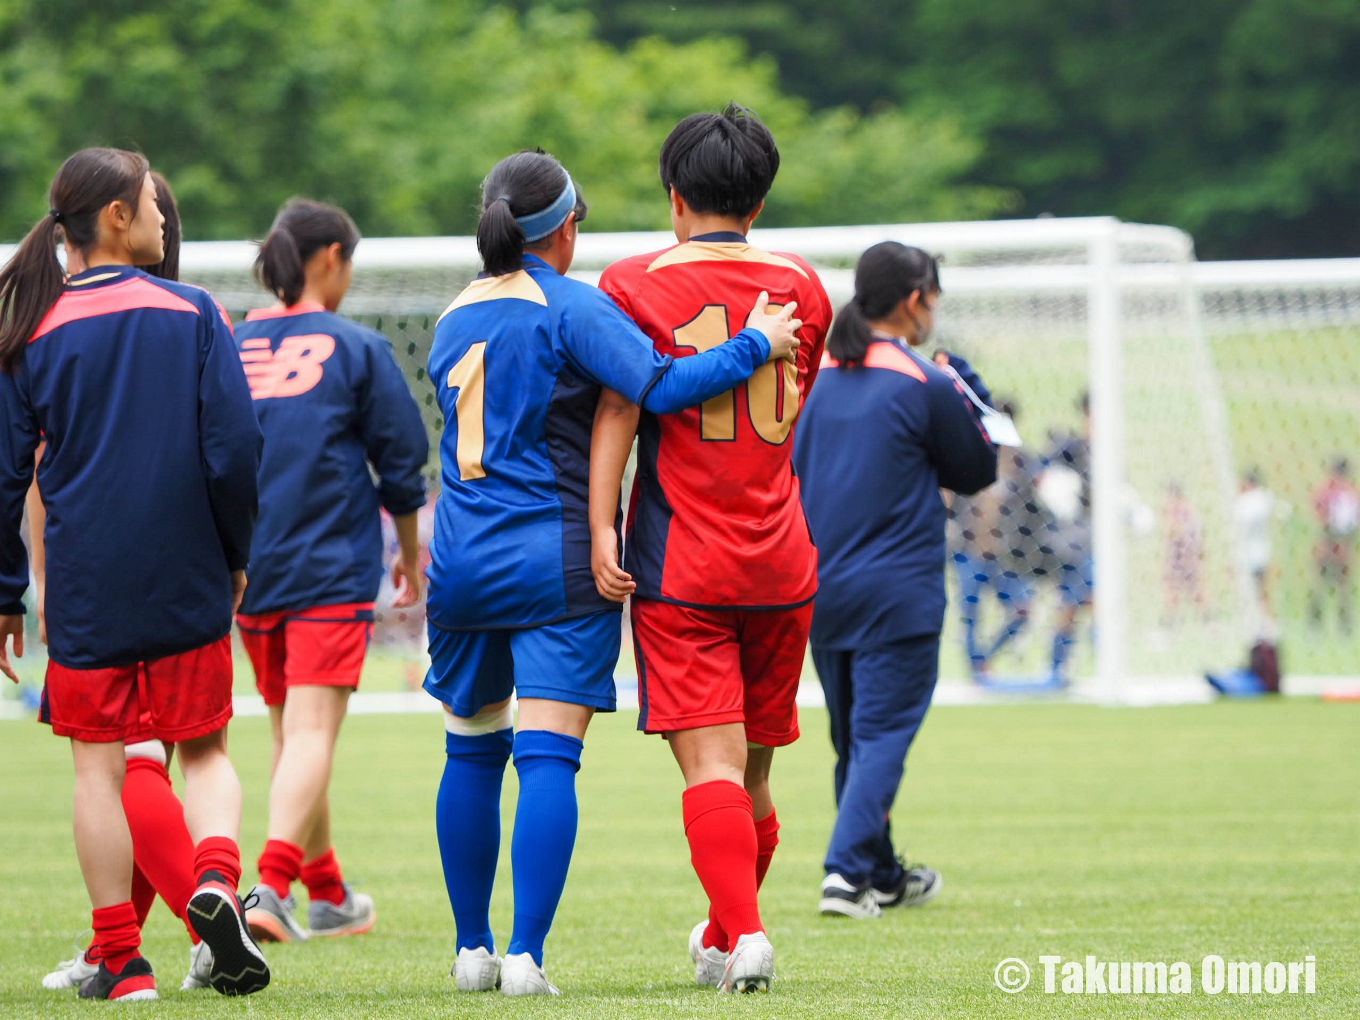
(1135, 834)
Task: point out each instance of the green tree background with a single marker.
(1238, 120)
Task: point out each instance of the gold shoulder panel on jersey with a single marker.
(721, 251)
(90, 279)
(518, 285)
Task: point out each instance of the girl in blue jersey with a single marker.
(134, 384)
(520, 359)
(335, 411)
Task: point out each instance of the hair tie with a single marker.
(55, 215)
(501, 198)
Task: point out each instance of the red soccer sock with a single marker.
(280, 865)
(161, 846)
(219, 854)
(722, 848)
(322, 878)
(117, 934)
(767, 838)
(143, 895)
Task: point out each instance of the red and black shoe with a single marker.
(218, 917)
(133, 983)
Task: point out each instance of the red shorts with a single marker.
(319, 647)
(176, 698)
(708, 667)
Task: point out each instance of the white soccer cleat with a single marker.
(521, 976)
(750, 965)
(840, 897)
(200, 969)
(71, 973)
(476, 970)
(709, 963)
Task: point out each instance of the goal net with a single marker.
(1130, 521)
(1130, 534)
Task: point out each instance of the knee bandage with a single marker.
(152, 750)
(479, 725)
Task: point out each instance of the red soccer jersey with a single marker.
(715, 520)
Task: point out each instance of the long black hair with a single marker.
(720, 163)
(168, 267)
(301, 229)
(32, 280)
(884, 275)
(519, 185)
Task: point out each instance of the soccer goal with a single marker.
(1197, 375)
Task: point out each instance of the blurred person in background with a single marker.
(994, 537)
(882, 433)
(1064, 486)
(343, 440)
(1182, 568)
(1255, 509)
(1336, 503)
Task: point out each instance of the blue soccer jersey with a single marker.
(331, 402)
(518, 361)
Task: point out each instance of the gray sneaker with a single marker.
(270, 919)
(915, 885)
(354, 916)
(200, 968)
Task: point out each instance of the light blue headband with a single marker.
(539, 225)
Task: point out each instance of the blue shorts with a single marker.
(1077, 582)
(571, 661)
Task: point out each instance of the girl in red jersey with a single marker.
(162, 850)
(126, 378)
(335, 411)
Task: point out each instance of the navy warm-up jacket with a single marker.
(149, 474)
(331, 401)
(874, 445)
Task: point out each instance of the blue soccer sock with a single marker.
(1062, 648)
(970, 648)
(545, 833)
(1015, 623)
(468, 821)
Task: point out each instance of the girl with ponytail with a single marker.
(134, 384)
(520, 359)
(332, 403)
(896, 287)
(884, 430)
(162, 850)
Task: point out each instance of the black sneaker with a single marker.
(218, 918)
(914, 885)
(133, 983)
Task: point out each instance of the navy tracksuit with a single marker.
(149, 475)
(875, 444)
(331, 401)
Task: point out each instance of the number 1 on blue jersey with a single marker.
(468, 376)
